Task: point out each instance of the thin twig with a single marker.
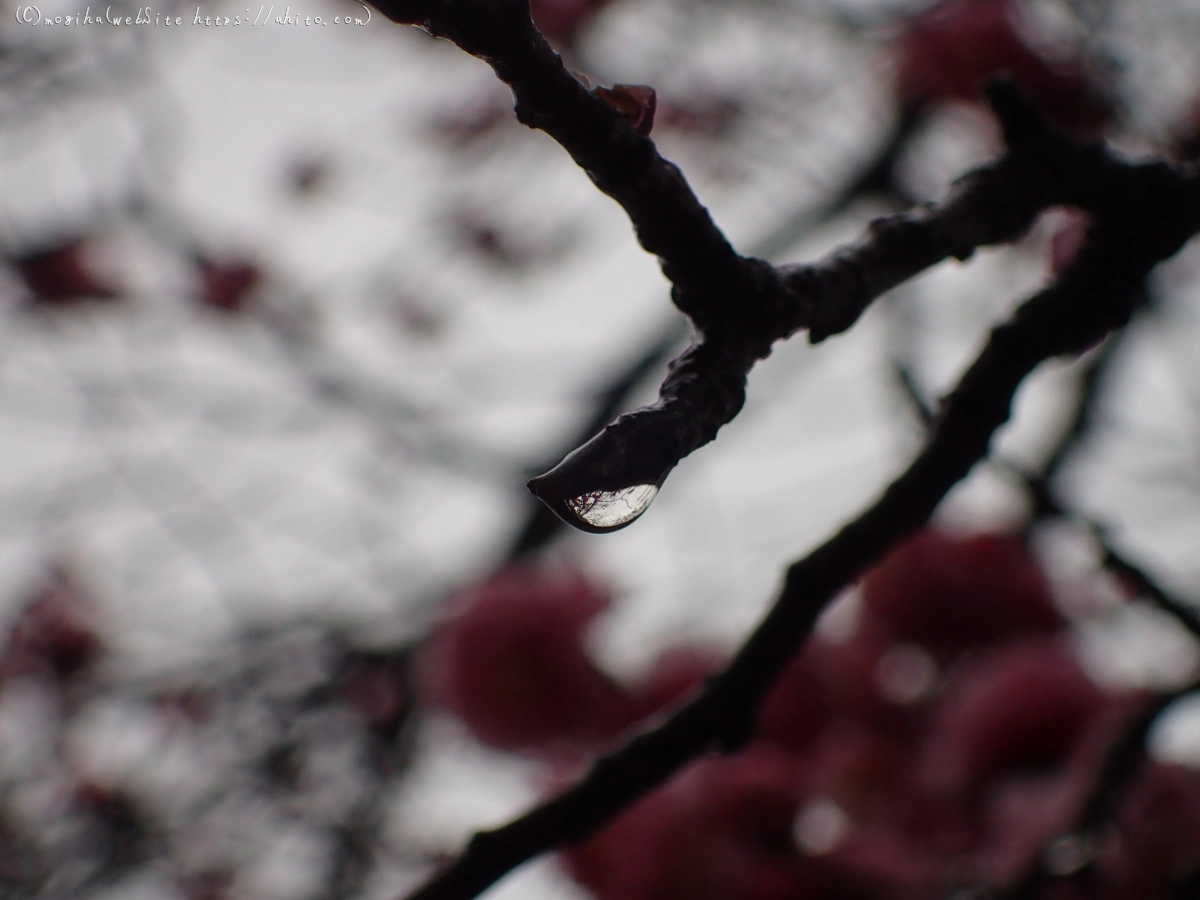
(1112, 558)
(1039, 486)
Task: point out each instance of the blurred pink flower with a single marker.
(227, 286)
(947, 52)
(1017, 708)
(720, 830)
(949, 593)
(510, 661)
(61, 274)
(55, 635)
(562, 20)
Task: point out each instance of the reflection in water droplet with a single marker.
(612, 509)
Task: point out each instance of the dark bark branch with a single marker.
(723, 716)
(877, 178)
(669, 220)
(1092, 298)
(739, 305)
(1142, 214)
(706, 385)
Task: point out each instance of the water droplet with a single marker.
(608, 510)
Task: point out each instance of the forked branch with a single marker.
(1142, 214)
(740, 306)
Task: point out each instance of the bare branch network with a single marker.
(739, 306)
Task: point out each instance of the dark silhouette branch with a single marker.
(722, 717)
(738, 305)
(877, 178)
(669, 220)
(1093, 297)
(706, 385)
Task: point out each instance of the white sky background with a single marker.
(186, 465)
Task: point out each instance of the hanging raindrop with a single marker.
(608, 510)
(604, 485)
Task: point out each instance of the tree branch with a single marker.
(1093, 297)
(705, 387)
(877, 178)
(669, 220)
(739, 305)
